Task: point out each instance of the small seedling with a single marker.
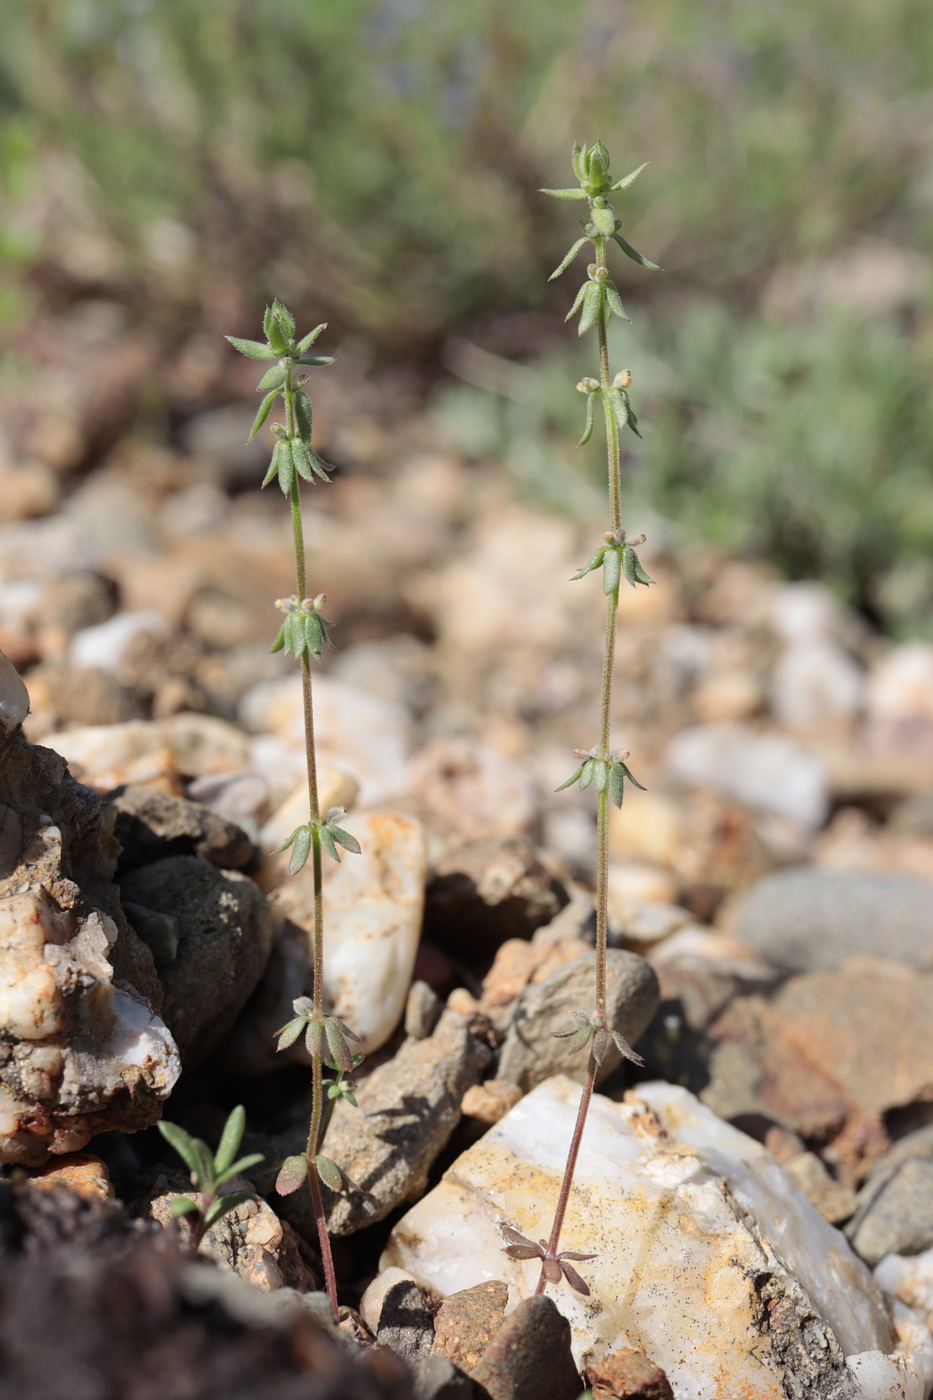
(304, 634)
(604, 769)
(209, 1170)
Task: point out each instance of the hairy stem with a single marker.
(570, 1167)
(314, 806)
(602, 818)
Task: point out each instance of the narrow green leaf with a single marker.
(300, 851)
(615, 301)
(316, 360)
(574, 778)
(577, 302)
(618, 405)
(286, 843)
(634, 254)
(592, 307)
(616, 784)
(305, 344)
(273, 378)
(329, 1172)
(289, 1033)
(625, 1049)
(630, 179)
(182, 1142)
(321, 467)
(243, 1165)
(594, 563)
(184, 1205)
(612, 568)
(600, 775)
(279, 642)
(632, 779)
(253, 348)
(265, 408)
(267, 321)
(337, 1045)
(223, 1206)
(292, 1172)
(579, 1039)
(344, 839)
(284, 466)
(300, 462)
(284, 317)
(640, 574)
(314, 1037)
(277, 338)
(628, 564)
(327, 842)
(568, 259)
(576, 159)
(304, 415)
(586, 774)
(588, 429)
(273, 468)
(230, 1139)
(565, 194)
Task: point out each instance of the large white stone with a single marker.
(373, 905)
(14, 697)
(360, 734)
(708, 1256)
(769, 772)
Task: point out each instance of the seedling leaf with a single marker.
(230, 1139)
(292, 1173)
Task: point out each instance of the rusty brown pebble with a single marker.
(466, 1322)
(80, 1172)
(628, 1374)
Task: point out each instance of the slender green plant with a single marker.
(303, 634)
(601, 767)
(209, 1170)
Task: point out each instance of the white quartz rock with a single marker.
(14, 697)
(708, 1256)
(360, 734)
(107, 643)
(771, 773)
(80, 1041)
(373, 904)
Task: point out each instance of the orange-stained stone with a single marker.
(80, 1172)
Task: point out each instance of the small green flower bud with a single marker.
(637, 539)
(588, 385)
(623, 379)
(600, 274)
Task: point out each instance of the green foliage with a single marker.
(605, 774)
(372, 136)
(209, 1170)
(329, 834)
(804, 442)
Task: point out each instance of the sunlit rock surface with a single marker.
(82, 1047)
(709, 1257)
(373, 904)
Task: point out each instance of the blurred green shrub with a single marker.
(399, 143)
(806, 443)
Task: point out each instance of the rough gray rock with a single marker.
(529, 1358)
(532, 1053)
(898, 1218)
(82, 1048)
(805, 920)
(408, 1109)
(894, 1211)
(405, 1322)
(151, 825)
(224, 942)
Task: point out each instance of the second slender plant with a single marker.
(303, 634)
(603, 768)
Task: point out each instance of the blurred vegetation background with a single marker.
(376, 163)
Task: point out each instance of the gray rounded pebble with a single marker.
(809, 920)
